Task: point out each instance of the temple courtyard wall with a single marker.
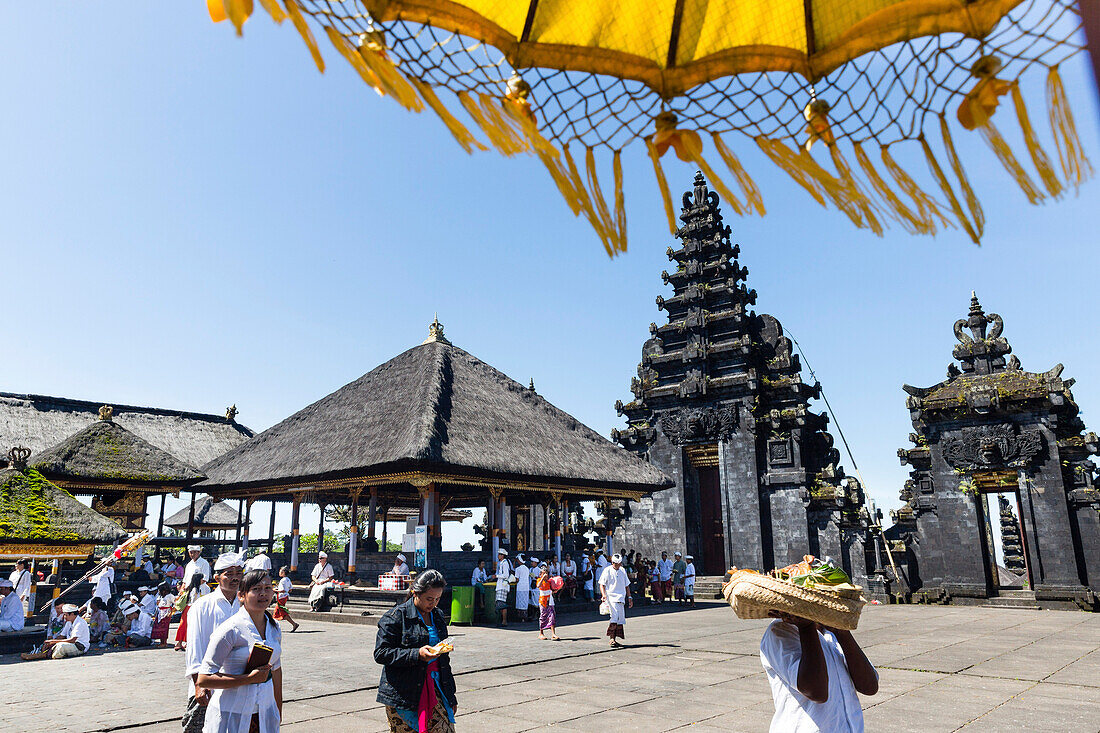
(941, 668)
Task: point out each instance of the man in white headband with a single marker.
(12, 617)
(74, 640)
(259, 562)
(504, 571)
(689, 580)
(197, 564)
(205, 615)
(615, 591)
(322, 576)
(400, 567)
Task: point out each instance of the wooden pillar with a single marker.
(545, 528)
(271, 531)
(160, 519)
(353, 531)
(321, 529)
(372, 515)
(191, 519)
(240, 517)
(294, 531)
(557, 527)
(491, 526)
(385, 528)
(246, 523)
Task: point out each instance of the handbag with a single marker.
(605, 609)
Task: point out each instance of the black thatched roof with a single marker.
(34, 510)
(38, 422)
(433, 408)
(106, 451)
(210, 513)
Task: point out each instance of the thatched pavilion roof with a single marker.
(107, 452)
(35, 511)
(436, 411)
(194, 438)
(210, 513)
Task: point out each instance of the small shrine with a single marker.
(1002, 492)
(720, 405)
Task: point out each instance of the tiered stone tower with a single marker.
(719, 404)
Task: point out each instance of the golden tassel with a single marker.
(272, 7)
(978, 216)
(388, 79)
(239, 11)
(662, 184)
(620, 199)
(937, 172)
(1000, 147)
(585, 202)
(504, 122)
(458, 131)
(895, 207)
(1039, 157)
(785, 159)
(694, 148)
(351, 55)
(928, 209)
(552, 162)
(854, 193)
(216, 9)
(299, 21)
(1071, 155)
(748, 186)
(473, 109)
(597, 197)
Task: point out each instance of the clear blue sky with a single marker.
(191, 220)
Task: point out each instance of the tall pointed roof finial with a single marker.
(435, 332)
(531, 386)
(106, 413)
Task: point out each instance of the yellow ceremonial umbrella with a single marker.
(814, 84)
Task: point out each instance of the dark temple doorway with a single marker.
(712, 531)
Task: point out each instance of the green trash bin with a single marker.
(462, 604)
(489, 601)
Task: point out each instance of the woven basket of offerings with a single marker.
(812, 589)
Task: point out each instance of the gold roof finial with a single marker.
(435, 332)
(106, 413)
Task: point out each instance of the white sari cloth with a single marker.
(230, 711)
(321, 577)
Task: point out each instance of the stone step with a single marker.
(1019, 603)
(1016, 593)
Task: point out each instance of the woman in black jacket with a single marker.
(417, 686)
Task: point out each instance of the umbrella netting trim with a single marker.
(904, 92)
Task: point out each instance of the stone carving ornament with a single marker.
(698, 424)
(992, 446)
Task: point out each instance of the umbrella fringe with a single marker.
(295, 12)
(744, 180)
(495, 136)
(585, 201)
(976, 213)
(928, 209)
(662, 184)
(1071, 155)
(272, 7)
(620, 198)
(974, 229)
(504, 123)
(458, 131)
(785, 159)
(354, 57)
(718, 184)
(238, 12)
(1000, 147)
(1039, 157)
(615, 237)
(896, 208)
(392, 80)
(216, 10)
(854, 192)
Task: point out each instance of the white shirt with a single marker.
(523, 586)
(285, 585)
(102, 582)
(400, 568)
(166, 606)
(260, 562)
(479, 576)
(197, 566)
(780, 655)
(203, 617)
(142, 625)
(147, 566)
(689, 574)
(321, 573)
(504, 569)
(664, 568)
(585, 567)
(149, 604)
(615, 583)
(569, 568)
(11, 612)
(78, 627)
(231, 710)
(21, 579)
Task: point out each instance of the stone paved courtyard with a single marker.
(941, 668)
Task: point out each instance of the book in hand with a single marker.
(258, 657)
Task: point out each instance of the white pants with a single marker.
(66, 649)
(618, 613)
(9, 626)
(689, 588)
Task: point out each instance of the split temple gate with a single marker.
(992, 428)
(435, 429)
(719, 404)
